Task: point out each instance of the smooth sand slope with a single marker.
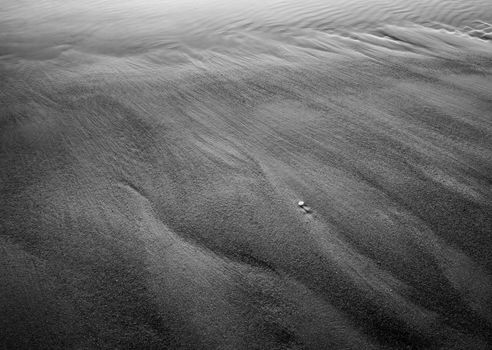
(149, 206)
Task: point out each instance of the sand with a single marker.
(152, 205)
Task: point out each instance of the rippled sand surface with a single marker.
(152, 155)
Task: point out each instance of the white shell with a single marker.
(301, 203)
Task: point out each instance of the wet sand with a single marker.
(152, 205)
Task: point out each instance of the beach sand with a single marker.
(150, 205)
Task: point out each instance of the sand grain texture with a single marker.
(149, 198)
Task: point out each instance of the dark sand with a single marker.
(148, 205)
